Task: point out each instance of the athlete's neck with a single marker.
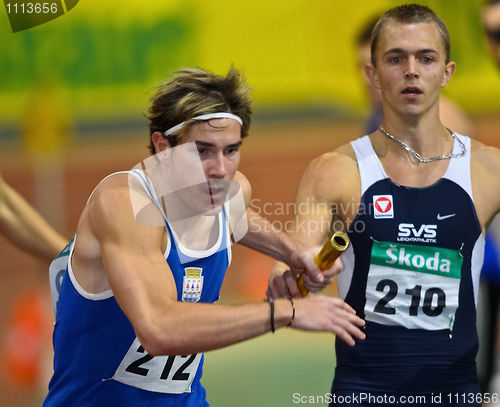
(198, 232)
(427, 136)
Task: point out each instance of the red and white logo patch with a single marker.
(383, 207)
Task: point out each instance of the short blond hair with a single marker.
(410, 14)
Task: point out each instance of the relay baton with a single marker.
(332, 249)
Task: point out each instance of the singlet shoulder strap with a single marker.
(144, 182)
(458, 169)
(370, 167)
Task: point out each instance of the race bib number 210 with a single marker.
(413, 286)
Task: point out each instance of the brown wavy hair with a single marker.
(193, 92)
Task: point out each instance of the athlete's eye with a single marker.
(231, 150)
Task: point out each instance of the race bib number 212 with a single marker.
(164, 374)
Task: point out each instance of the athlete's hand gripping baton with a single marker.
(326, 257)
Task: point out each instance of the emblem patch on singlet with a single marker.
(383, 207)
(413, 286)
(192, 284)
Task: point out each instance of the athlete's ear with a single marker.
(160, 142)
(372, 75)
(448, 73)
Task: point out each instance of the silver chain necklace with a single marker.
(418, 156)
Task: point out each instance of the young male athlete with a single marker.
(416, 199)
(150, 253)
(453, 117)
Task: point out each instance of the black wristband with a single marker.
(293, 312)
(271, 306)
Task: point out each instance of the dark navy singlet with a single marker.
(412, 273)
(99, 361)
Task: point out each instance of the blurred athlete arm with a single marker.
(485, 169)
(455, 118)
(145, 289)
(24, 226)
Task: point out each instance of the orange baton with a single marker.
(332, 249)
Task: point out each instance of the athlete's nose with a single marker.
(217, 167)
(411, 68)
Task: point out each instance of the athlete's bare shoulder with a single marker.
(117, 207)
(98, 219)
(481, 152)
(109, 198)
(341, 158)
(485, 160)
(112, 194)
(118, 218)
(335, 172)
(121, 204)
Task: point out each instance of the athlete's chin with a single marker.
(412, 111)
(214, 209)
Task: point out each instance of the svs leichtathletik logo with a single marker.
(24, 14)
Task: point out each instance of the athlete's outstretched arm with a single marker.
(24, 226)
(325, 201)
(264, 237)
(144, 287)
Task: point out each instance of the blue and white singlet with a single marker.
(99, 361)
(412, 273)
